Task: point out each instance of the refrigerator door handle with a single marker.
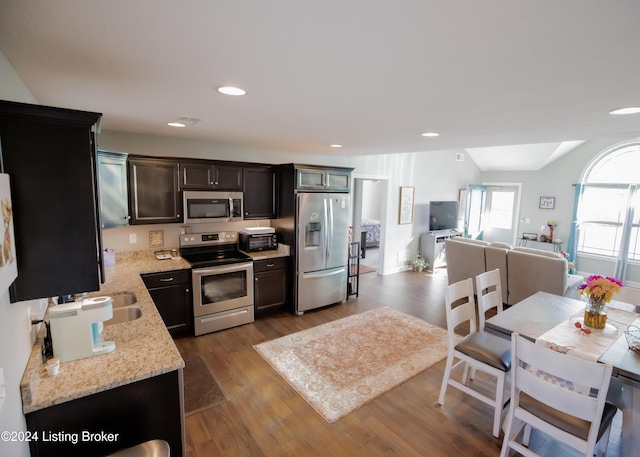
(325, 239)
(330, 229)
(324, 275)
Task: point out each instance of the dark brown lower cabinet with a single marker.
(103, 423)
(271, 284)
(171, 293)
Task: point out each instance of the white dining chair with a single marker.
(559, 395)
(478, 350)
(489, 290)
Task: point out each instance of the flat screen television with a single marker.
(443, 215)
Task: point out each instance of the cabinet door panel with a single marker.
(172, 306)
(228, 177)
(112, 181)
(196, 176)
(270, 290)
(50, 158)
(154, 196)
(259, 193)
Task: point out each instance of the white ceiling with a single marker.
(369, 74)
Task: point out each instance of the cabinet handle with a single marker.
(166, 279)
(271, 265)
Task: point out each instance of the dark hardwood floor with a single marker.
(266, 417)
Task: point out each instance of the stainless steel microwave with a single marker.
(211, 206)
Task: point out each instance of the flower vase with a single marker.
(550, 233)
(595, 313)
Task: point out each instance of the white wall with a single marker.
(435, 175)
(371, 200)
(556, 180)
(15, 338)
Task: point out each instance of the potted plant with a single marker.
(419, 263)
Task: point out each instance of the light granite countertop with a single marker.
(144, 347)
(282, 251)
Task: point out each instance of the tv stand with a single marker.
(432, 247)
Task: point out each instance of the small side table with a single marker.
(557, 246)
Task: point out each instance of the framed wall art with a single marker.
(8, 262)
(547, 202)
(405, 215)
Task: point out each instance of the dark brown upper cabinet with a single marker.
(50, 156)
(207, 175)
(154, 194)
(259, 192)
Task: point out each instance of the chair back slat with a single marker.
(489, 288)
(460, 294)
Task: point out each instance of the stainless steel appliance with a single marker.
(322, 254)
(316, 226)
(210, 206)
(222, 279)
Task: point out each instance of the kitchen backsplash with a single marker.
(120, 238)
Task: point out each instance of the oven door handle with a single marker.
(222, 269)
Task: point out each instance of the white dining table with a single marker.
(540, 313)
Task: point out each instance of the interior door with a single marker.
(501, 213)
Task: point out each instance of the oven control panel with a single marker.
(208, 239)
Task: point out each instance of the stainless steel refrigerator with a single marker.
(322, 243)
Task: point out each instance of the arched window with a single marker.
(609, 207)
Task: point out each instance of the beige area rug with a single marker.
(339, 366)
(201, 390)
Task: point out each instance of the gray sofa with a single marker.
(523, 271)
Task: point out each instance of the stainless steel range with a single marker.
(222, 280)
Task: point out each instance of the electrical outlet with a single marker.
(133, 238)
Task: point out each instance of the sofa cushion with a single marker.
(539, 252)
(496, 244)
(531, 272)
(465, 259)
(495, 256)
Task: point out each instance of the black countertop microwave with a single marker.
(258, 242)
(211, 206)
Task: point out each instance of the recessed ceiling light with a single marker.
(430, 134)
(629, 110)
(230, 90)
(184, 121)
(336, 145)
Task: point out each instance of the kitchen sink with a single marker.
(123, 299)
(124, 314)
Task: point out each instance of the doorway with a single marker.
(502, 210)
(370, 197)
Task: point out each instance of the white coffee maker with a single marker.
(74, 328)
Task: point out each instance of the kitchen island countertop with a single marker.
(144, 347)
